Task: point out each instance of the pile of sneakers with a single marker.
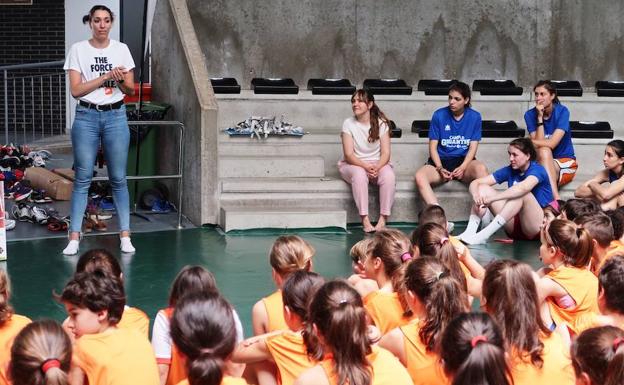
(13, 161)
(27, 212)
(262, 127)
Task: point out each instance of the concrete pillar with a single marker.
(180, 78)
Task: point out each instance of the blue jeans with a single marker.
(111, 127)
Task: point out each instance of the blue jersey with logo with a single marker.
(454, 136)
(559, 119)
(542, 191)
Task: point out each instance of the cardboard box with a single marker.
(66, 173)
(55, 185)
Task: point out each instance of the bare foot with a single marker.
(381, 223)
(368, 226)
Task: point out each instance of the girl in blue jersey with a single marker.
(610, 196)
(518, 209)
(454, 136)
(548, 124)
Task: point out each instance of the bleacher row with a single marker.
(400, 87)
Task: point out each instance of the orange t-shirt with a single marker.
(274, 306)
(225, 381)
(386, 369)
(385, 310)
(615, 247)
(423, 366)
(582, 286)
(289, 353)
(133, 318)
(116, 357)
(8, 331)
(177, 362)
(557, 367)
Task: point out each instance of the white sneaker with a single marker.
(72, 247)
(9, 224)
(126, 245)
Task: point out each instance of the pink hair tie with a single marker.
(443, 240)
(617, 343)
(49, 364)
(406, 257)
(475, 340)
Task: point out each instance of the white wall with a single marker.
(75, 31)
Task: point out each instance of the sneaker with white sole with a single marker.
(39, 215)
(72, 247)
(126, 245)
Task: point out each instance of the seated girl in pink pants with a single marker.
(366, 148)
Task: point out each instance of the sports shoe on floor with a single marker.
(126, 245)
(72, 247)
(39, 214)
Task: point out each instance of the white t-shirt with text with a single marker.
(93, 62)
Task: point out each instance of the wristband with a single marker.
(540, 124)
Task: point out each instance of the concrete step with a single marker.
(243, 218)
(266, 165)
(408, 152)
(331, 193)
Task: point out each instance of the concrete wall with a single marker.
(523, 40)
(179, 71)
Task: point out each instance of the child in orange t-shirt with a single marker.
(203, 329)
(285, 348)
(566, 284)
(338, 337)
(10, 325)
(537, 355)
(103, 353)
(388, 251)
(473, 350)
(434, 244)
(288, 254)
(171, 363)
(435, 298)
(132, 317)
(41, 355)
(598, 356)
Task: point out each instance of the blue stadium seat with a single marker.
(225, 86)
(387, 86)
(274, 86)
(496, 87)
(591, 130)
(610, 88)
(331, 87)
(568, 87)
(489, 129)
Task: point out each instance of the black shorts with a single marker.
(449, 164)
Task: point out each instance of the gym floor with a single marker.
(239, 261)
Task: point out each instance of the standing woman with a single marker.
(100, 73)
(366, 157)
(454, 136)
(610, 196)
(548, 124)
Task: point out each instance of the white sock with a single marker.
(483, 235)
(126, 245)
(72, 247)
(471, 227)
(487, 218)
